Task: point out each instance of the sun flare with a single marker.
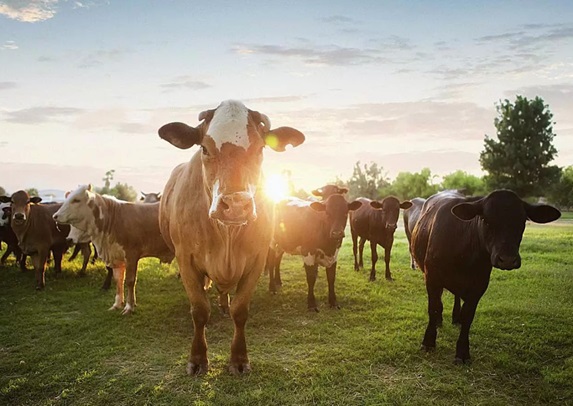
(276, 187)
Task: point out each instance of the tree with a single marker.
(366, 181)
(561, 193)
(124, 192)
(105, 190)
(33, 191)
(460, 180)
(408, 185)
(2, 191)
(519, 159)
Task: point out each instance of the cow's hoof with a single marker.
(427, 348)
(115, 307)
(240, 369)
(462, 361)
(335, 307)
(372, 279)
(389, 279)
(313, 309)
(197, 369)
(127, 310)
(439, 323)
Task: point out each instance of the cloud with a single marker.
(102, 56)
(185, 82)
(29, 11)
(7, 85)
(338, 19)
(275, 99)
(9, 45)
(521, 40)
(36, 115)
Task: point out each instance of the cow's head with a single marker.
(150, 197)
(328, 190)
(502, 215)
(4, 211)
(77, 210)
(336, 209)
(389, 208)
(232, 139)
(20, 206)
(77, 236)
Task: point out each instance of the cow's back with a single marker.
(41, 230)
(412, 215)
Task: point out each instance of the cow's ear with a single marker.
(541, 213)
(279, 138)
(180, 135)
(406, 205)
(317, 192)
(159, 195)
(342, 190)
(355, 205)
(317, 206)
(35, 199)
(7, 209)
(467, 211)
(5, 199)
(376, 204)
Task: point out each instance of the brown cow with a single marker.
(456, 243)
(314, 230)
(215, 218)
(122, 233)
(37, 232)
(376, 222)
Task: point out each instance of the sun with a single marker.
(276, 187)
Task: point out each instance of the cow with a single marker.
(314, 230)
(457, 242)
(410, 218)
(150, 197)
(328, 190)
(37, 232)
(215, 218)
(7, 235)
(122, 233)
(82, 243)
(375, 221)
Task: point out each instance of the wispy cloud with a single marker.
(185, 82)
(338, 19)
(7, 85)
(102, 56)
(531, 38)
(9, 45)
(29, 11)
(36, 115)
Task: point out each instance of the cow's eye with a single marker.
(204, 150)
(76, 201)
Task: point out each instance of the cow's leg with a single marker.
(224, 301)
(331, 277)
(130, 281)
(239, 363)
(466, 318)
(77, 249)
(354, 248)
(58, 254)
(361, 252)
(270, 269)
(107, 281)
(434, 300)
(387, 253)
(86, 253)
(21, 259)
(278, 259)
(311, 270)
(194, 283)
(374, 260)
(39, 261)
(95, 255)
(6, 254)
(456, 317)
(119, 276)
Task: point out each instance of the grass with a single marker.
(61, 346)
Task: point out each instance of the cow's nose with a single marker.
(392, 227)
(19, 216)
(507, 262)
(235, 208)
(55, 217)
(337, 234)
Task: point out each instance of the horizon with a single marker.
(86, 84)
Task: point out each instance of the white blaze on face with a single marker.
(229, 124)
(215, 198)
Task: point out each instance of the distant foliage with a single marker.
(33, 191)
(519, 158)
(460, 180)
(561, 193)
(121, 190)
(367, 181)
(408, 185)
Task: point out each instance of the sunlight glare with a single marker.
(276, 187)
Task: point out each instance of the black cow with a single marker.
(376, 222)
(7, 235)
(314, 230)
(456, 243)
(328, 190)
(411, 217)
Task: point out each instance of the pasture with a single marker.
(62, 346)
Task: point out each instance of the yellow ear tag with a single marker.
(272, 141)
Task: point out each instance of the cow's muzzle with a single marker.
(234, 208)
(19, 218)
(337, 234)
(506, 262)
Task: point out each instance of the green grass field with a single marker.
(62, 345)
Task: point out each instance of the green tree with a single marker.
(33, 191)
(519, 158)
(460, 180)
(106, 189)
(124, 192)
(561, 193)
(366, 181)
(408, 185)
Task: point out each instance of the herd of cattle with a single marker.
(214, 218)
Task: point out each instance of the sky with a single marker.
(84, 85)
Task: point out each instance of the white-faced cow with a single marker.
(122, 233)
(375, 221)
(150, 197)
(456, 243)
(411, 217)
(37, 232)
(314, 230)
(215, 219)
